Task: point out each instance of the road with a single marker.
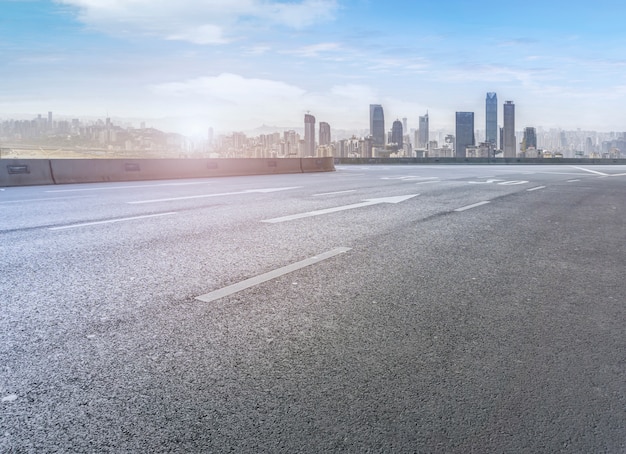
(371, 309)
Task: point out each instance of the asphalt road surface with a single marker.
(372, 309)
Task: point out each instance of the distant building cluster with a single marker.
(97, 135)
(313, 140)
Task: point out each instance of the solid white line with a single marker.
(592, 171)
(469, 207)
(107, 188)
(111, 221)
(536, 188)
(333, 193)
(226, 291)
(45, 199)
(204, 196)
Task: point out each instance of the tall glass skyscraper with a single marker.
(464, 132)
(377, 124)
(508, 130)
(491, 126)
(422, 132)
(309, 135)
(324, 133)
(396, 134)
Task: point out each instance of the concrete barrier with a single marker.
(498, 161)
(25, 172)
(101, 170)
(326, 164)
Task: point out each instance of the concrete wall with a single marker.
(500, 161)
(24, 172)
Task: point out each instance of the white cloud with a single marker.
(232, 102)
(315, 50)
(197, 21)
(231, 88)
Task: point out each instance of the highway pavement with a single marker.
(396, 308)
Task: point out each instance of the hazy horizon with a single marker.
(239, 64)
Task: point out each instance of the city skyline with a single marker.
(237, 65)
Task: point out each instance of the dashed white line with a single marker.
(535, 188)
(573, 181)
(333, 193)
(427, 182)
(226, 291)
(110, 221)
(474, 205)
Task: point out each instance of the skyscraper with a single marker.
(396, 134)
(309, 135)
(508, 136)
(530, 137)
(422, 133)
(377, 124)
(324, 133)
(491, 116)
(464, 132)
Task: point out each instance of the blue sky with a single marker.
(238, 64)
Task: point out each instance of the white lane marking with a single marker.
(427, 182)
(333, 193)
(409, 178)
(44, 199)
(536, 188)
(110, 221)
(474, 205)
(203, 196)
(573, 181)
(617, 174)
(111, 188)
(492, 180)
(366, 203)
(513, 183)
(591, 171)
(226, 291)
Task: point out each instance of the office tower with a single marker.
(49, 120)
(491, 116)
(324, 133)
(422, 141)
(464, 132)
(530, 138)
(397, 134)
(309, 135)
(377, 124)
(508, 136)
(405, 125)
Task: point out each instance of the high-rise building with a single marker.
(324, 133)
(491, 116)
(377, 124)
(405, 125)
(309, 135)
(397, 134)
(508, 136)
(422, 133)
(530, 137)
(464, 132)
